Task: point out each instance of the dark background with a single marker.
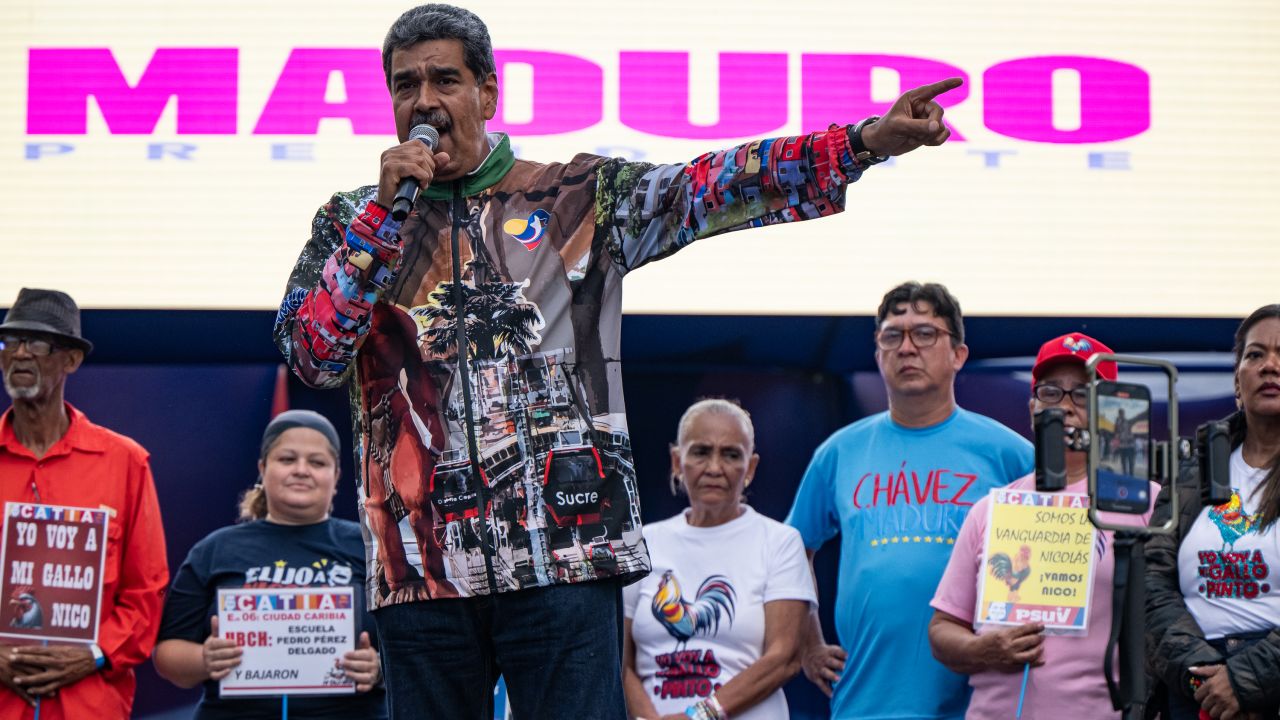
(195, 388)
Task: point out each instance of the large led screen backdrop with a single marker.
(1108, 158)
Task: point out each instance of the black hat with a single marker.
(51, 312)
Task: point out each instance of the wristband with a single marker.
(860, 151)
(99, 659)
(709, 709)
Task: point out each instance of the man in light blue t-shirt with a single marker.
(896, 486)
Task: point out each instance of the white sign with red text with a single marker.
(293, 640)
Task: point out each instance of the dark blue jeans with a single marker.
(559, 649)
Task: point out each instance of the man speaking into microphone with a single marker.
(479, 338)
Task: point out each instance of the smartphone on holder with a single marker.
(1124, 457)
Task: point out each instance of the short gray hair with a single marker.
(716, 406)
(438, 21)
(713, 406)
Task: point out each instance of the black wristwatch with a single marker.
(860, 151)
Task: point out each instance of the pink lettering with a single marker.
(297, 103)
(900, 488)
(654, 94)
(695, 687)
(1115, 99)
(61, 81)
(969, 480)
(887, 488)
(858, 488)
(1018, 102)
(921, 496)
(1247, 590)
(939, 486)
(895, 487)
(567, 93)
(837, 88)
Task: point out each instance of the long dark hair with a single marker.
(1269, 505)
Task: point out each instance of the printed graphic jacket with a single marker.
(541, 253)
(1174, 639)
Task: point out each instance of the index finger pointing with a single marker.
(933, 90)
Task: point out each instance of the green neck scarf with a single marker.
(493, 169)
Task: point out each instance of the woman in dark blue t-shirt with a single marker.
(286, 539)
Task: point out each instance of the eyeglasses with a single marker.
(922, 336)
(1052, 394)
(40, 348)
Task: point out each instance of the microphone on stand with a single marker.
(408, 190)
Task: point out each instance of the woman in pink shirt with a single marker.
(1065, 680)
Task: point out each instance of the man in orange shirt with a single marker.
(50, 453)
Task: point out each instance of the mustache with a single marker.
(435, 119)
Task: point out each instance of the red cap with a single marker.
(1072, 347)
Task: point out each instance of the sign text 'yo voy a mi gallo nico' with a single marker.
(51, 563)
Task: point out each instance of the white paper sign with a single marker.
(1038, 561)
(293, 640)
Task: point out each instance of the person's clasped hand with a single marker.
(55, 666)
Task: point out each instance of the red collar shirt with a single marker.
(93, 467)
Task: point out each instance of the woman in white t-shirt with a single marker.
(1213, 605)
(713, 632)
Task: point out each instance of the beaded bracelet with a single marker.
(698, 711)
(709, 709)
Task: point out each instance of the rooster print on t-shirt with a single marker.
(686, 673)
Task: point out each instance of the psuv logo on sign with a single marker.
(528, 231)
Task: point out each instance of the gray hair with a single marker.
(714, 406)
(438, 21)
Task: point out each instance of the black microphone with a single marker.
(408, 191)
(1213, 446)
(1051, 448)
